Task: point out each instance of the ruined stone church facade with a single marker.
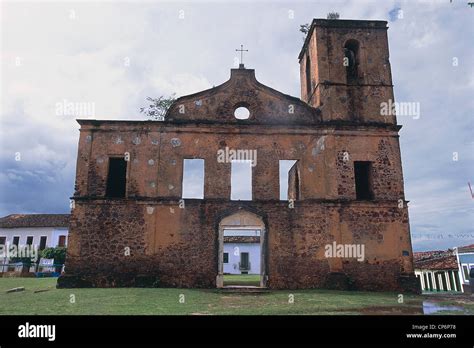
(345, 188)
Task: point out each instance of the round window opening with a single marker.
(242, 113)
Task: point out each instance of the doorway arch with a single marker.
(242, 220)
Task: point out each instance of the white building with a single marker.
(465, 259)
(242, 252)
(43, 230)
(437, 271)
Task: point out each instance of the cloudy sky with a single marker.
(113, 56)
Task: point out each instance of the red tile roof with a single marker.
(420, 255)
(466, 248)
(435, 260)
(34, 220)
(241, 239)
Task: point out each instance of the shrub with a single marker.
(58, 254)
(25, 260)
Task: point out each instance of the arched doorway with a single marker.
(242, 250)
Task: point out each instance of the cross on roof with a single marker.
(241, 65)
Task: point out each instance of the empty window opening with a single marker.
(351, 61)
(308, 76)
(16, 240)
(363, 180)
(226, 258)
(242, 113)
(193, 178)
(116, 178)
(289, 180)
(42, 245)
(3, 240)
(29, 240)
(241, 180)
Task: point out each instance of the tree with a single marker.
(158, 107)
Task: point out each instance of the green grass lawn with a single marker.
(167, 301)
(242, 279)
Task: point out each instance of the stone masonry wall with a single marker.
(185, 255)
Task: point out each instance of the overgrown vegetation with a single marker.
(304, 28)
(158, 107)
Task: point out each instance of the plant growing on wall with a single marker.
(304, 28)
(158, 107)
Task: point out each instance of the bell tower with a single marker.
(345, 70)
